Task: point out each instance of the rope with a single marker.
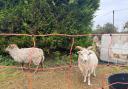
(71, 51)
(115, 83)
(29, 77)
(109, 47)
(54, 68)
(64, 35)
(30, 56)
(69, 80)
(34, 42)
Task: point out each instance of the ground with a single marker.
(64, 78)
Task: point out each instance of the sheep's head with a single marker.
(11, 47)
(83, 55)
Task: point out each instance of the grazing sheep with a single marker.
(26, 55)
(87, 62)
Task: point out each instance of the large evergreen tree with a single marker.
(46, 17)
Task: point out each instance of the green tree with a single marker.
(98, 30)
(106, 28)
(46, 17)
(109, 28)
(126, 27)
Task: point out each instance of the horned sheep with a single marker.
(87, 62)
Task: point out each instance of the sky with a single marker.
(105, 13)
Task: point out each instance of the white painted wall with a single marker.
(114, 48)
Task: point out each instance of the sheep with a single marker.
(26, 55)
(87, 62)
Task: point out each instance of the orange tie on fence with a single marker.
(29, 77)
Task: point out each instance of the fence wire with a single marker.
(61, 77)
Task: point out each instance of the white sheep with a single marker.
(87, 62)
(26, 55)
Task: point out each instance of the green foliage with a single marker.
(20, 41)
(75, 58)
(6, 61)
(126, 24)
(107, 28)
(46, 17)
(125, 29)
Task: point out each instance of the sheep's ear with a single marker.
(79, 52)
(12, 46)
(90, 48)
(79, 47)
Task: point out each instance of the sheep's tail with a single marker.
(42, 60)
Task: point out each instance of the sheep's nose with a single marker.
(85, 60)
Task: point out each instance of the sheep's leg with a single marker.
(85, 76)
(22, 64)
(89, 79)
(29, 65)
(41, 64)
(94, 73)
(36, 69)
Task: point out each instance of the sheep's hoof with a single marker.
(89, 84)
(22, 69)
(84, 80)
(94, 75)
(35, 72)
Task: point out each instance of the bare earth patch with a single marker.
(55, 79)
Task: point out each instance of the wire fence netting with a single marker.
(60, 74)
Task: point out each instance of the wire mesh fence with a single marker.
(58, 76)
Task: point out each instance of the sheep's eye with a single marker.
(81, 54)
(89, 53)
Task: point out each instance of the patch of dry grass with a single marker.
(56, 79)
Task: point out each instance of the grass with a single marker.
(11, 78)
(6, 60)
(56, 79)
(8, 73)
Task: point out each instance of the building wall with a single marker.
(114, 48)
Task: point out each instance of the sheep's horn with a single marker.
(80, 48)
(90, 48)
